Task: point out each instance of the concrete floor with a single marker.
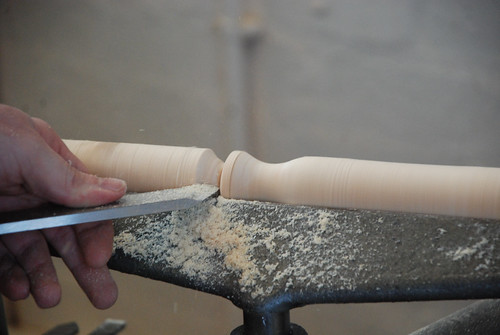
(409, 81)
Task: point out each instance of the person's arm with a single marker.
(36, 167)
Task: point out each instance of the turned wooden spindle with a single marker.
(148, 167)
(316, 181)
(350, 183)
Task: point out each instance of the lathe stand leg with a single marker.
(277, 323)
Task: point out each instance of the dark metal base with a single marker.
(268, 324)
(294, 330)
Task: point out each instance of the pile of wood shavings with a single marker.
(267, 247)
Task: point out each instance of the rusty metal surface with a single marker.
(297, 255)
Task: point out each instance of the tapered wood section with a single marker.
(148, 167)
(349, 183)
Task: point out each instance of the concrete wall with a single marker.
(398, 80)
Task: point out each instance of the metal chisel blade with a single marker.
(50, 215)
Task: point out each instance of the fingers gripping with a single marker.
(26, 265)
(39, 168)
(96, 242)
(14, 282)
(31, 253)
(96, 282)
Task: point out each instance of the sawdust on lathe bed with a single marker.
(218, 239)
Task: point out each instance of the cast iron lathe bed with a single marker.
(268, 258)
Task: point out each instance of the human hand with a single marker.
(37, 167)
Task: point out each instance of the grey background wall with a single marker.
(398, 80)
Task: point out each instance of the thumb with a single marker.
(54, 179)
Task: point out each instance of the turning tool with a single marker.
(135, 204)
